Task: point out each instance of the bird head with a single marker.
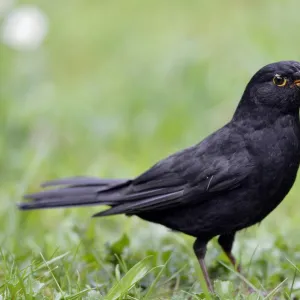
(275, 86)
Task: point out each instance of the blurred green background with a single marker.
(115, 86)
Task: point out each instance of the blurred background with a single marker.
(107, 88)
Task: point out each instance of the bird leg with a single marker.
(226, 242)
(200, 251)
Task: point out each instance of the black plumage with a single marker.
(231, 180)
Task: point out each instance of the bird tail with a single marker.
(78, 191)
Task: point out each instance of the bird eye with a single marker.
(279, 80)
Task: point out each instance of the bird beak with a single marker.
(297, 82)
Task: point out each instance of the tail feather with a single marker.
(78, 192)
(84, 200)
(142, 205)
(65, 192)
(83, 181)
(123, 195)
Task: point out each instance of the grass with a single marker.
(115, 87)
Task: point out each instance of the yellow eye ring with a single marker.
(279, 80)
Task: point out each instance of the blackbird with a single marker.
(231, 180)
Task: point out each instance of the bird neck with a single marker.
(267, 114)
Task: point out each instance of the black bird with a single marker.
(231, 180)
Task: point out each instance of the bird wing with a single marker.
(178, 180)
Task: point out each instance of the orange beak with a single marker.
(297, 82)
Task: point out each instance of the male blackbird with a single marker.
(231, 180)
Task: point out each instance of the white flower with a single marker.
(24, 28)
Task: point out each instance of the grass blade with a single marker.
(135, 274)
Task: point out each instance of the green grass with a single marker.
(116, 86)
